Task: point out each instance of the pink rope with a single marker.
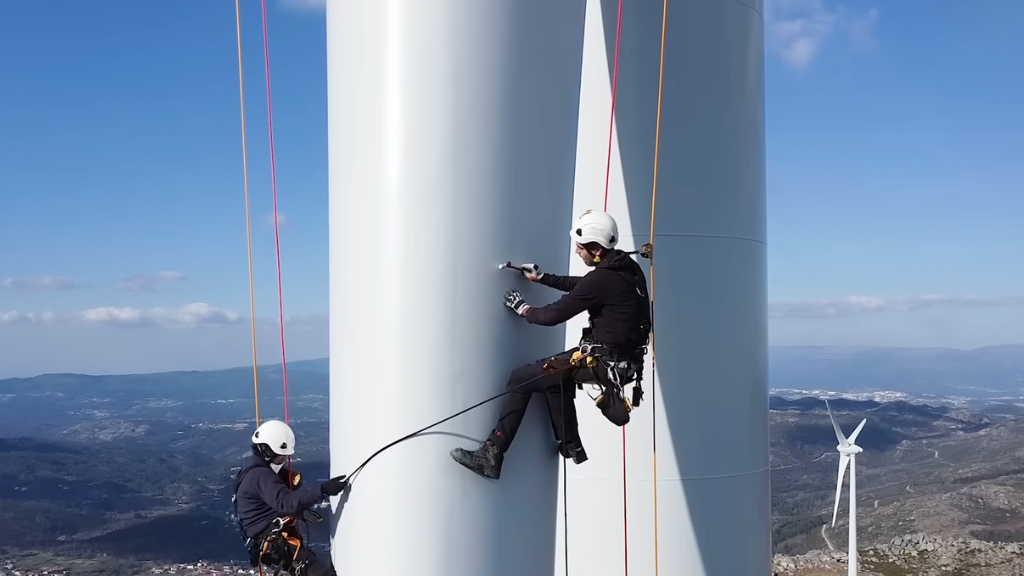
(607, 178)
(611, 119)
(277, 237)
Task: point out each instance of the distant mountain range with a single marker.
(95, 459)
(983, 373)
(988, 372)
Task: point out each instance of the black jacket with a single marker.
(614, 293)
(262, 495)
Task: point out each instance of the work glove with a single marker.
(531, 271)
(334, 486)
(514, 300)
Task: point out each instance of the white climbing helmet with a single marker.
(594, 226)
(277, 435)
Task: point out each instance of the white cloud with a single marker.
(192, 315)
(112, 315)
(797, 29)
(282, 219)
(148, 282)
(97, 347)
(865, 304)
(44, 283)
(14, 317)
(305, 5)
(862, 30)
(189, 315)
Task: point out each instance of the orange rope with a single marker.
(248, 228)
(654, 200)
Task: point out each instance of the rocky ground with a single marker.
(938, 471)
(912, 555)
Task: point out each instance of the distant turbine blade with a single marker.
(839, 433)
(853, 437)
(844, 460)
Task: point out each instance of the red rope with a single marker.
(625, 524)
(607, 178)
(611, 119)
(277, 237)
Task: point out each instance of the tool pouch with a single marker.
(614, 405)
(612, 402)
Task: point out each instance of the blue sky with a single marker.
(895, 185)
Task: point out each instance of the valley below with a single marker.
(130, 474)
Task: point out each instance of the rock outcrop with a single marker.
(918, 554)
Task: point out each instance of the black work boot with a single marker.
(574, 451)
(485, 460)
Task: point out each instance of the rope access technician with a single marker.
(268, 505)
(610, 352)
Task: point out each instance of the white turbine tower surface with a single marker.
(848, 451)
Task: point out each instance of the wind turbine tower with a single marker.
(480, 131)
(848, 451)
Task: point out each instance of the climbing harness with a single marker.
(612, 372)
(271, 548)
(279, 547)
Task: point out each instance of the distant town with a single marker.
(11, 568)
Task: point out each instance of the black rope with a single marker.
(459, 413)
(565, 489)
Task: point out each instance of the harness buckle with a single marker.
(583, 357)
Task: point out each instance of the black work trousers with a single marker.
(558, 384)
(312, 565)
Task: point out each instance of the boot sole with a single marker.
(471, 469)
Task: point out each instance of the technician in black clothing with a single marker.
(615, 295)
(265, 501)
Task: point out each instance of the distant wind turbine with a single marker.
(848, 451)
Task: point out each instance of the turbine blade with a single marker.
(843, 461)
(853, 437)
(839, 433)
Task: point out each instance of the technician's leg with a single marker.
(523, 382)
(309, 564)
(562, 409)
